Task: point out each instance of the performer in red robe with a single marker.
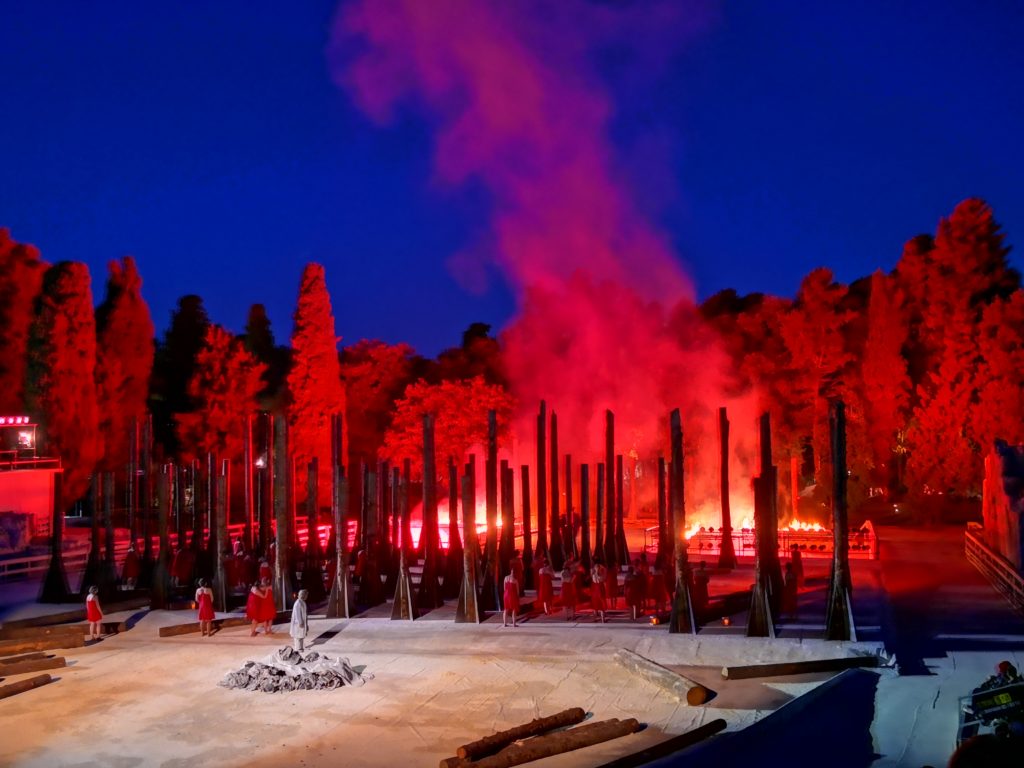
(268, 609)
(569, 596)
(516, 567)
(254, 605)
(599, 579)
(93, 613)
(130, 569)
(546, 587)
(204, 602)
(510, 602)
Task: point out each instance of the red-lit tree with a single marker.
(314, 381)
(173, 366)
(375, 376)
(259, 340)
(61, 384)
(460, 408)
(999, 410)
(225, 387)
(21, 280)
(124, 359)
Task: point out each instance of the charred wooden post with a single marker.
(542, 484)
(131, 479)
(371, 590)
(247, 485)
(727, 554)
(557, 547)
(91, 575)
(682, 619)
(609, 498)
(569, 536)
(621, 547)
(599, 523)
(663, 557)
(524, 478)
(453, 560)
(312, 575)
(341, 603)
(429, 596)
(145, 501)
(490, 598)
(508, 511)
(391, 582)
(283, 570)
(771, 475)
(559, 742)
(212, 547)
(585, 515)
(508, 523)
(223, 551)
(760, 622)
(488, 745)
(404, 606)
(839, 611)
(383, 518)
(196, 489)
(468, 609)
(108, 575)
(160, 595)
(55, 584)
(180, 529)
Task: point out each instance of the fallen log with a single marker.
(24, 685)
(679, 686)
(491, 744)
(39, 633)
(558, 743)
(217, 624)
(12, 647)
(669, 746)
(77, 614)
(33, 665)
(106, 627)
(799, 667)
(23, 657)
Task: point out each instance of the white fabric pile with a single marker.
(290, 670)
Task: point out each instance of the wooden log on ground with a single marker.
(231, 621)
(35, 665)
(679, 686)
(559, 743)
(78, 614)
(22, 657)
(669, 746)
(744, 672)
(24, 685)
(491, 744)
(12, 647)
(39, 633)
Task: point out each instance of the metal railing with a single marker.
(996, 569)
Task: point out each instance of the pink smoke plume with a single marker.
(513, 91)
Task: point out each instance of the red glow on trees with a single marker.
(21, 280)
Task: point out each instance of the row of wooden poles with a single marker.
(469, 573)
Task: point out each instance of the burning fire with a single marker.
(706, 520)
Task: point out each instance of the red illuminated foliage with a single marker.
(224, 387)
(375, 376)
(124, 359)
(21, 280)
(460, 408)
(62, 366)
(314, 381)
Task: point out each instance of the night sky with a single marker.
(209, 140)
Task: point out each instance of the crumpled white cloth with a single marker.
(288, 670)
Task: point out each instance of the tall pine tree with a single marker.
(21, 280)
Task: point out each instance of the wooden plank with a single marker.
(799, 667)
(34, 665)
(231, 621)
(24, 685)
(23, 657)
(679, 686)
(39, 633)
(12, 647)
(669, 746)
(491, 744)
(558, 743)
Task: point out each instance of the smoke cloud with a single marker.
(518, 97)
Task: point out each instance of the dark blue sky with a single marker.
(208, 140)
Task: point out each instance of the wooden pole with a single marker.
(145, 501)
(664, 536)
(283, 571)
(490, 598)
(221, 588)
(669, 746)
(453, 559)
(542, 486)
(161, 590)
(429, 596)
(247, 483)
(727, 553)
(524, 478)
(404, 606)
(108, 579)
(682, 619)
(312, 575)
(91, 575)
(839, 611)
(55, 584)
(559, 742)
(468, 609)
(585, 515)
(570, 513)
(679, 686)
(557, 548)
(621, 547)
(760, 622)
(508, 523)
(6, 691)
(497, 741)
(341, 604)
(599, 521)
(609, 498)
(746, 672)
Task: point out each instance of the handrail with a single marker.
(996, 569)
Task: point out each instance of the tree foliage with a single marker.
(21, 280)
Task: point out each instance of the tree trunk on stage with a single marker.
(682, 619)
(283, 570)
(211, 545)
(557, 547)
(108, 577)
(312, 574)
(55, 585)
(600, 521)
(569, 537)
(371, 589)
(508, 507)
(146, 502)
(341, 603)
(621, 547)
(160, 595)
(490, 599)
(453, 564)
(663, 556)
(609, 492)
(508, 522)
(468, 609)
(404, 607)
(391, 582)
(221, 588)
(542, 484)
(248, 486)
(771, 560)
(585, 515)
(839, 611)
(524, 477)
(767, 590)
(429, 596)
(727, 553)
(93, 567)
(196, 542)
